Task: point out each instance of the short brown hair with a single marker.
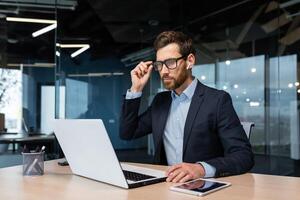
(184, 42)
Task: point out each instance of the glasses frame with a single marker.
(164, 63)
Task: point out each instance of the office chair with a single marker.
(247, 127)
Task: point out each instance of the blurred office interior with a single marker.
(72, 59)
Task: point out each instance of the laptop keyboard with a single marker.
(134, 176)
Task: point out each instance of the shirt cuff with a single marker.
(133, 95)
(210, 171)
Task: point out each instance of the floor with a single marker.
(273, 165)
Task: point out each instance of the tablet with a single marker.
(200, 187)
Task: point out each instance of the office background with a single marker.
(248, 48)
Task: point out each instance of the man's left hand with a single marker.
(184, 171)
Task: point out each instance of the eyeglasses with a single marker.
(170, 63)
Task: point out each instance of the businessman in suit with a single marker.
(195, 128)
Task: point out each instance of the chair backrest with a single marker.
(247, 127)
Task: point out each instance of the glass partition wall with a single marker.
(28, 68)
(27, 65)
(90, 77)
(254, 57)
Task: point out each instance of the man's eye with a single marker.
(170, 61)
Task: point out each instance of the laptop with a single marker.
(90, 154)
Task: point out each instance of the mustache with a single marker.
(166, 76)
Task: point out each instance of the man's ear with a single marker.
(190, 61)
(189, 65)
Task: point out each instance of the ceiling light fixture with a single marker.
(100, 74)
(31, 65)
(288, 3)
(53, 24)
(30, 20)
(227, 62)
(71, 45)
(83, 47)
(79, 51)
(44, 30)
(118, 73)
(254, 103)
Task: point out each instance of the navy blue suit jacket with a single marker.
(212, 132)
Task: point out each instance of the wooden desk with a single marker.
(59, 183)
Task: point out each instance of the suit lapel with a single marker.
(193, 110)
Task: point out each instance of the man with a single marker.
(195, 128)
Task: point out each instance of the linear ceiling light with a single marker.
(83, 47)
(293, 15)
(118, 73)
(30, 20)
(289, 3)
(31, 65)
(79, 51)
(100, 74)
(71, 45)
(44, 30)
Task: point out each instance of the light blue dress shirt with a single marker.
(174, 130)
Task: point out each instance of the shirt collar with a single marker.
(188, 92)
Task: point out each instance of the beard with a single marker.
(172, 83)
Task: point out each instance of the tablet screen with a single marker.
(201, 185)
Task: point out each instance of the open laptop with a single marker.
(90, 154)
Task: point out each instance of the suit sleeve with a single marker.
(132, 125)
(238, 156)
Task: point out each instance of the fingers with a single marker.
(140, 76)
(185, 178)
(150, 68)
(143, 68)
(183, 172)
(179, 176)
(173, 175)
(148, 62)
(172, 168)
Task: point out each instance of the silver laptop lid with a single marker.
(82, 140)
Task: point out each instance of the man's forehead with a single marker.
(170, 50)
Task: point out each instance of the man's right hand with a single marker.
(140, 76)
